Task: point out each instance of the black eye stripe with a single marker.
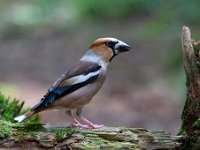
(111, 44)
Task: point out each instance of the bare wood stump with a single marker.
(191, 113)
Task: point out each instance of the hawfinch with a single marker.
(76, 88)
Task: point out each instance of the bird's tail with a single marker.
(24, 116)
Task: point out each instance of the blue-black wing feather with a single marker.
(56, 91)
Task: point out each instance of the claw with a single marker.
(96, 126)
(90, 124)
(80, 125)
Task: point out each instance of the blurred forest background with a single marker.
(40, 39)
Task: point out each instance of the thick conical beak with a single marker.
(122, 47)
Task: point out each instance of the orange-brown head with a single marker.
(108, 48)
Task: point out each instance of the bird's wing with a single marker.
(81, 74)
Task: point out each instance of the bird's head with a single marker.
(108, 48)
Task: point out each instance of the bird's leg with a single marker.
(86, 121)
(75, 122)
(69, 113)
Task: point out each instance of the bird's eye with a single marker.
(110, 44)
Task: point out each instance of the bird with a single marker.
(76, 88)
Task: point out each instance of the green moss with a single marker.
(192, 142)
(196, 124)
(61, 133)
(10, 108)
(5, 129)
(107, 139)
(29, 127)
(91, 143)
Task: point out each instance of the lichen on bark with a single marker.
(191, 111)
(44, 136)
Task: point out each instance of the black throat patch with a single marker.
(114, 54)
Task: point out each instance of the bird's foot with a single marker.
(91, 126)
(80, 125)
(95, 126)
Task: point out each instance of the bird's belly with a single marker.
(81, 96)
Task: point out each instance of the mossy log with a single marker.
(191, 113)
(38, 136)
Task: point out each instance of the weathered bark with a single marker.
(191, 113)
(29, 136)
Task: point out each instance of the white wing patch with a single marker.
(81, 78)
